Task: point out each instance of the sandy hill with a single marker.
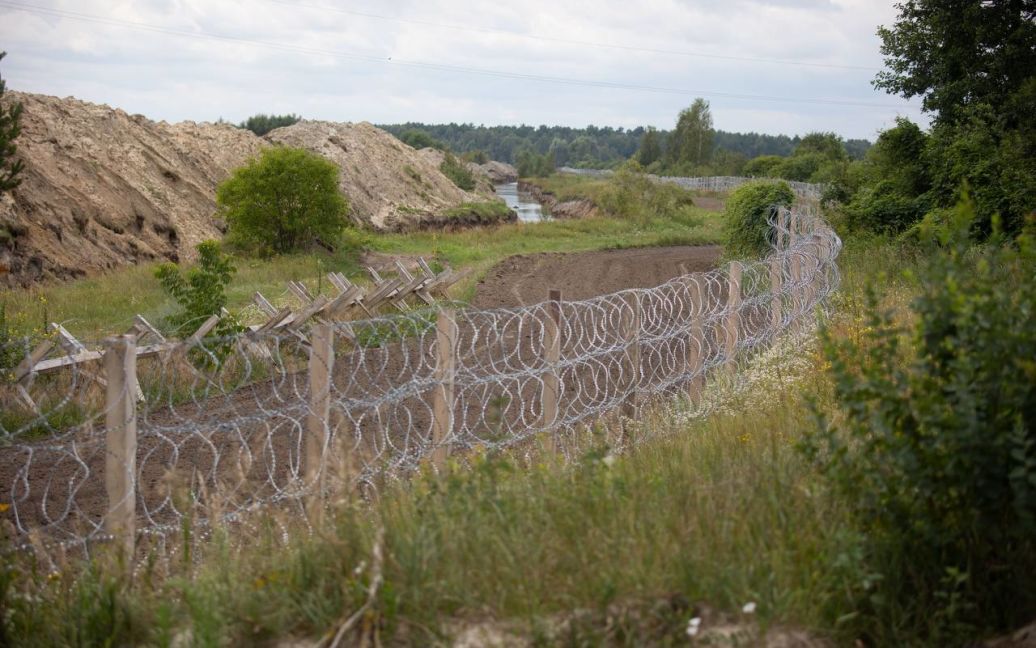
(390, 185)
(102, 188)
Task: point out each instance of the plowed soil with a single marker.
(526, 279)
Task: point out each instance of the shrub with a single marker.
(418, 139)
(934, 447)
(200, 291)
(282, 199)
(457, 171)
(748, 214)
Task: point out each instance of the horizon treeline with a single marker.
(592, 146)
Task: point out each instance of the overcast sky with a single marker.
(569, 62)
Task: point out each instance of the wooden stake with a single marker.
(321, 366)
(551, 394)
(120, 469)
(695, 338)
(733, 311)
(631, 407)
(445, 372)
(776, 313)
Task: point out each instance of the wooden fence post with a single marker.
(120, 468)
(321, 368)
(634, 321)
(445, 373)
(733, 312)
(776, 279)
(551, 394)
(695, 339)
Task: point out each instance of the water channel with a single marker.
(529, 211)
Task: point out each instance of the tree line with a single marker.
(591, 147)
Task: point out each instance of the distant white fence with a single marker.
(805, 190)
(210, 429)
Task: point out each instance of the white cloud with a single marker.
(171, 76)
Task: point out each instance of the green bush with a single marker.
(262, 124)
(457, 171)
(283, 199)
(748, 213)
(933, 442)
(200, 291)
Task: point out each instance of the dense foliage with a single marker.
(973, 63)
(200, 291)
(592, 147)
(283, 199)
(748, 215)
(532, 164)
(934, 441)
(457, 171)
(10, 116)
(690, 144)
(262, 124)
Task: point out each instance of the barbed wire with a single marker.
(227, 425)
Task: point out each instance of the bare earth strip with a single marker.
(525, 279)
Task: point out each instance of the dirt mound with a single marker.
(390, 186)
(525, 279)
(483, 183)
(102, 188)
(500, 172)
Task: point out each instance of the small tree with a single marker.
(650, 147)
(284, 198)
(200, 291)
(10, 118)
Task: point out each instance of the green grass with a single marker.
(94, 307)
(490, 210)
(721, 511)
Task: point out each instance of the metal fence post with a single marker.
(551, 394)
(443, 396)
(321, 368)
(120, 367)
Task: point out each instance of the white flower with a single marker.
(609, 460)
(748, 608)
(692, 626)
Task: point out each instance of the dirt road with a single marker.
(525, 279)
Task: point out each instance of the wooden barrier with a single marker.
(120, 467)
(733, 313)
(550, 395)
(443, 395)
(321, 369)
(631, 334)
(695, 340)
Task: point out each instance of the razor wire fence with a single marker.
(806, 190)
(130, 443)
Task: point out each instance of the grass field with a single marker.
(94, 307)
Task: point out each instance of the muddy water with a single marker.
(529, 211)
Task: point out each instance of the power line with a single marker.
(569, 41)
(203, 35)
